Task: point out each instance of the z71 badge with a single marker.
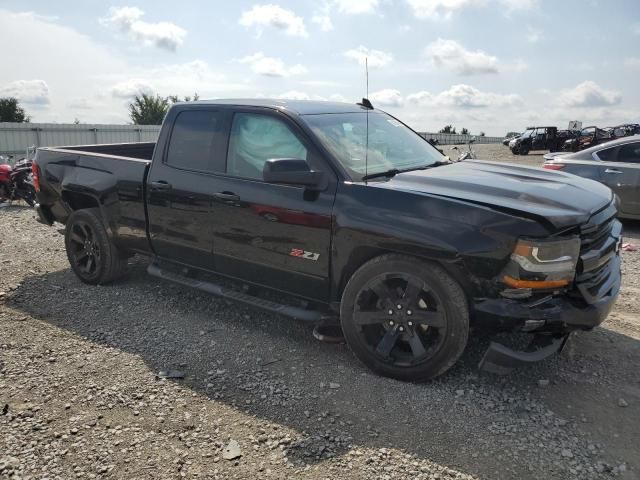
(296, 252)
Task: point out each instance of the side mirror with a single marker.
(293, 171)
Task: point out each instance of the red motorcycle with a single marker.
(16, 182)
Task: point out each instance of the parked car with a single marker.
(350, 214)
(510, 136)
(615, 163)
(536, 138)
(588, 137)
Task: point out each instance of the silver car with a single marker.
(615, 163)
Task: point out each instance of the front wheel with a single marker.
(405, 318)
(92, 254)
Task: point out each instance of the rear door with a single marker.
(622, 174)
(274, 235)
(179, 189)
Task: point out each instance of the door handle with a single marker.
(226, 196)
(160, 185)
(612, 170)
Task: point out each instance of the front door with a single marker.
(622, 174)
(275, 235)
(179, 188)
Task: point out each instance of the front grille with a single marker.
(598, 269)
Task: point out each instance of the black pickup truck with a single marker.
(337, 212)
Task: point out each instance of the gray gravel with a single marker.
(81, 395)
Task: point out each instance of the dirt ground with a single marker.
(80, 394)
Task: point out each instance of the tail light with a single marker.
(35, 174)
(553, 166)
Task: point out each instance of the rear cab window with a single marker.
(197, 141)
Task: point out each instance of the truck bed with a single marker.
(110, 177)
(140, 151)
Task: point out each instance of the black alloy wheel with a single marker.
(399, 319)
(85, 250)
(405, 318)
(92, 254)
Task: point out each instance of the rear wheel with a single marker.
(405, 318)
(92, 254)
(29, 195)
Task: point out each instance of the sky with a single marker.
(488, 65)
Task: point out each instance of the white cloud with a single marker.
(271, 67)
(338, 97)
(439, 9)
(444, 9)
(421, 98)
(589, 94)
(324, 21)
(81, 103)
(354, 7)
(450, 54)
(164, 35)
(632, 62)
(464, 96)
(520, 4)
(298, 95)
(388, 97)
(130, 88)
(533, 35)
(375, 58)
(32, 92)
(270, 15)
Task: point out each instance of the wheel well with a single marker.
(362, 255)
(78, 201)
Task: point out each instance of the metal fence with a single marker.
(16, 138)
(457, 139)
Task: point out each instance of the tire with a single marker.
(30, 195)
(524, 150)
(92, 254)
(416, 342)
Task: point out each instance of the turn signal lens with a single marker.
(513, 283)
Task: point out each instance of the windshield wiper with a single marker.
(395, 171)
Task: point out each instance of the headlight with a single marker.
(542, 263)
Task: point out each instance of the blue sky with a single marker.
(488, 65)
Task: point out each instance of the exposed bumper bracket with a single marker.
(502, 360)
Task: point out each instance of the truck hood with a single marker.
(561, 199)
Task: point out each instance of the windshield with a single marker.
(527, 133)
(391, 144)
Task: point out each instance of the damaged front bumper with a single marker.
(550, 319)
(502, 360)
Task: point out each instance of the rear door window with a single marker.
(197, 141)
(607, 155)
(629, 153)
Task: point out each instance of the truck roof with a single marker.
(299, 107)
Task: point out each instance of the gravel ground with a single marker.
(81, 393)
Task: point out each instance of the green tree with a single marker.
(148, 110)
(448, 129)
(10, 111)
(482, 134)
(176, 99)
(464, 131)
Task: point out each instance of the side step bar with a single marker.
(220, 291)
